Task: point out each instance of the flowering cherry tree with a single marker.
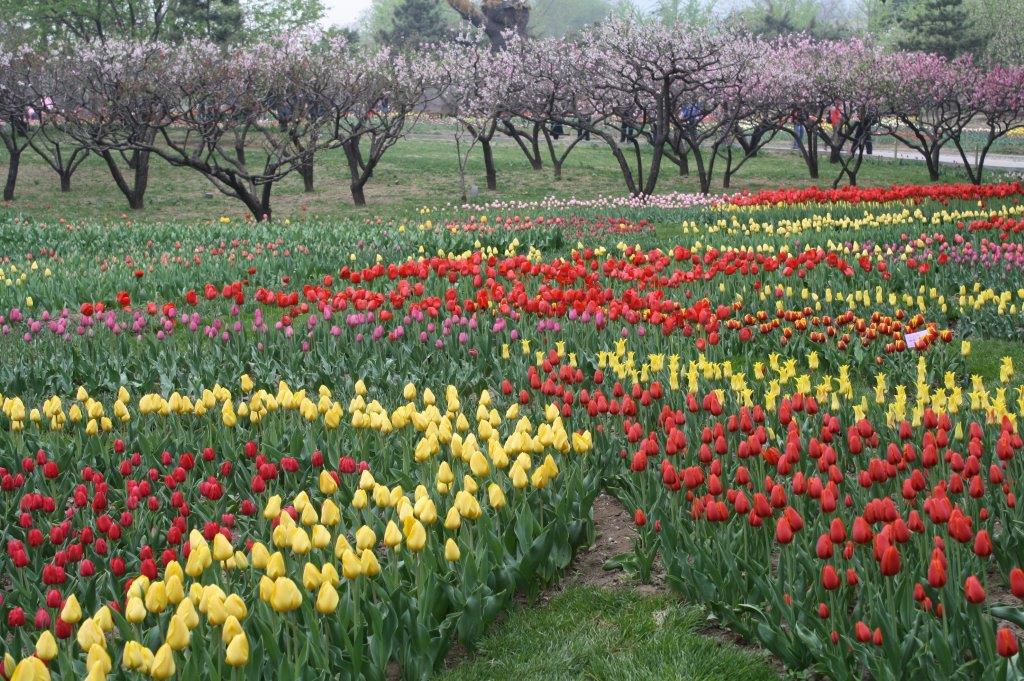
(106, 101)
(997, 99)
(16, 100)
(374, 99)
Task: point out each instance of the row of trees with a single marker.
(703, 100)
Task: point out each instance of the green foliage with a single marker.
(414, 22)
(379, 19)
(561, 17)
(773, 18)
(692, 12)
(940, 26)
(266, 18)
(1000, 23)
(49, 22)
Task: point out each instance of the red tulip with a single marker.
(890, 562)
(1017, 582)
(829, 578)
(1006, 642)
(783, 532)
(974, 591)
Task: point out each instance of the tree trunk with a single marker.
(933, 164)
(141, 159)
(492, 173)
(557, 167)
(810, 154)
(65, 181)
(306, 170)
(136, 192)
(536, 162)
(654, 170)
(358, 197)
(703, 177)
(14, 161)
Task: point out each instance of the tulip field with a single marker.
(335, 450)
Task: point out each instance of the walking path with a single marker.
(887, 150)
(884, 149)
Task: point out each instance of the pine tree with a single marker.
(939, 26)
(415, 22)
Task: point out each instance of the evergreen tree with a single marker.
(938, 26)
(415, 22)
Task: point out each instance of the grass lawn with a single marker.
(616, 635)
(417, 172)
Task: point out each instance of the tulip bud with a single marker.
(451, 551)
(46, 646)
(327, 599)
(72, 611)
(238, 651)
(163, 663)
(178, 634)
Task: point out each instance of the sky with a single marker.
(344, 12)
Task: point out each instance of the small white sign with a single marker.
(912, 338)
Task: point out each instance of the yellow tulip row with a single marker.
(733, 225)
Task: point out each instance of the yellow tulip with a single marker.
(163, 663)
(216, 613)
(329, 574)
(198, 560)
(232, 627)
(156, 597)
(366, 481)
(365, 538)
(187, 613)
(235, 607)
(495, 496)
(311, 577)
(275, 566)
(273, 507)
(330, 514)
(341, 545)
(415, 535)
(89, 634)
(451, 551)
(368, 564)
(350, 566)
(327, 599)
(178, 634)
(266, 588)
(46, 646)
(260, 555)
(238, 651)
(327, 484)
(135, 611)
(222, 549)
(104, 620)
(478, 464)
(30, 669)
(173, 589)
(300, 542)
(359, 499)
(392, 535)
(453, 520)
(96, 672)
(72, 610)
(286, 597)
